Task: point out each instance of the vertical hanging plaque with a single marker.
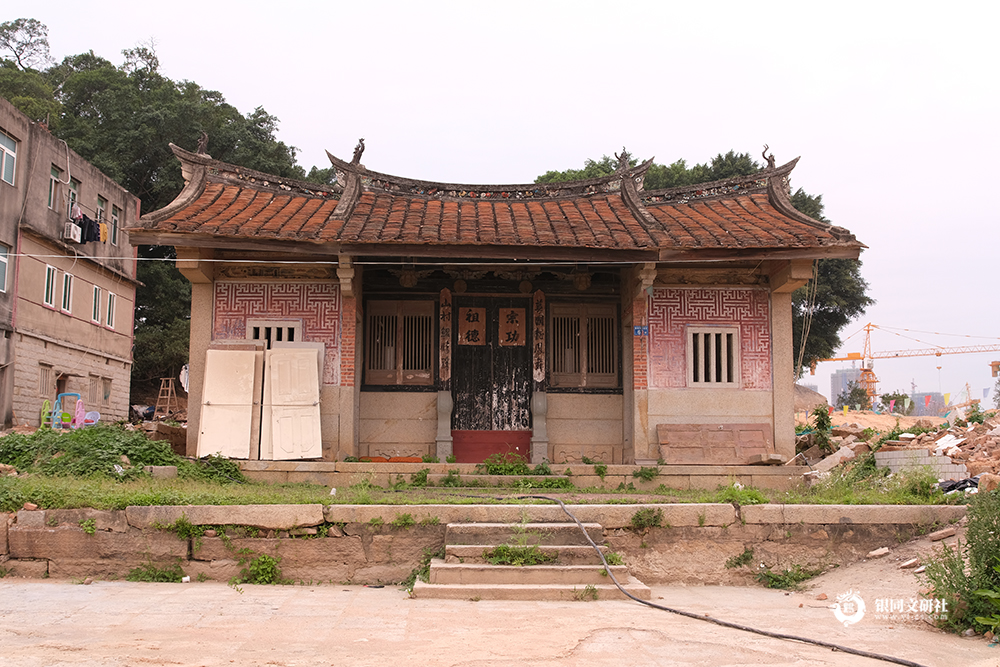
(472, 326)
(511, 327)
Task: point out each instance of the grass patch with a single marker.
(588, 593)
(785, 579)
(740, 560)
(646, 474)
(150, 572)
(403, 521)
(89, 526)
(517, 555)
(506, 463)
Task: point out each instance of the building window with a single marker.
(67, 293)
(713, 356)
(583, 346)
(110, 315)
(102, 205)
(105, 392)
(8, 157)
(95, 315)
(400, 343)
(274, 331)
(55, 178)
(4, 254)
(50, 287)
(96, 390)
(71, 197)
(116, 214)
(44, 380)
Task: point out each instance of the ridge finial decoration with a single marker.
(203, 143)
(358, 150)
(623, 160)
(768, 158)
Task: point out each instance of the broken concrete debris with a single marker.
(967, 455)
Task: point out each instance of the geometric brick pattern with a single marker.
(316, 305)
(672, 310)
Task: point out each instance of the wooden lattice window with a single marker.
(274, 331)
(399, 343)
(583, 344)
(713, 356)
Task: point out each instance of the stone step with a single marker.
(483, 574)
(605, 591)
(572, 554)
(522, 533)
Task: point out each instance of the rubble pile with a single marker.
(973, 449)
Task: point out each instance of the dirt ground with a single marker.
(868, 419)
(45, 623)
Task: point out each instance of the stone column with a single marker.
(539, 432)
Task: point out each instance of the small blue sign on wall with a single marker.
(641, 331)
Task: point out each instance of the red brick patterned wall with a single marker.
(640, 343)
(347, 341)
(671, 310)
(316, 305)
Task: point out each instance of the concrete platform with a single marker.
(342, 473)
(527, 533)
(534, 575)
(566, 554)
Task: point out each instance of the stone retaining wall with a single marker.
(362, 546)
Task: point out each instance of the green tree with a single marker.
(122, 119)
(27, 40)
(900, 406)
(821, 309)
(854, 394)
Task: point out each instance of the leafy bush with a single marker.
(647, 518)
(822, 424)
(403, 521)
(261, 570)
(506, 463)
(452, 479)
(542, 469)
(959, 575)
(420, 478)
(109, 451)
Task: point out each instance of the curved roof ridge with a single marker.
(259, 178)
(412, 186)
(755, 181)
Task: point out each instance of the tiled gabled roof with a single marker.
(366, 208)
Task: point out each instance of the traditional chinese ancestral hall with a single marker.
(386, 316)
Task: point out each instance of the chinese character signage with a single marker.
(472, 326)
(511, 323)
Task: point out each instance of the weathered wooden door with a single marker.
(491, 364)
(291, 405)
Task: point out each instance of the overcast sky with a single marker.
(893, 107)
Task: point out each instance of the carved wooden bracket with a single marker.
(345, 271)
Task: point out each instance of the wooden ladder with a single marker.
(166, 402)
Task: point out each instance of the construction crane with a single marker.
(867, 380)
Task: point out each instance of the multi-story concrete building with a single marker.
(66, 303)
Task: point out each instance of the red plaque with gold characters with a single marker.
(511, 323)
(472, 326)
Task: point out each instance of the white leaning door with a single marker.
(291, 405)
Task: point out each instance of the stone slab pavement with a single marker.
(45, 623)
